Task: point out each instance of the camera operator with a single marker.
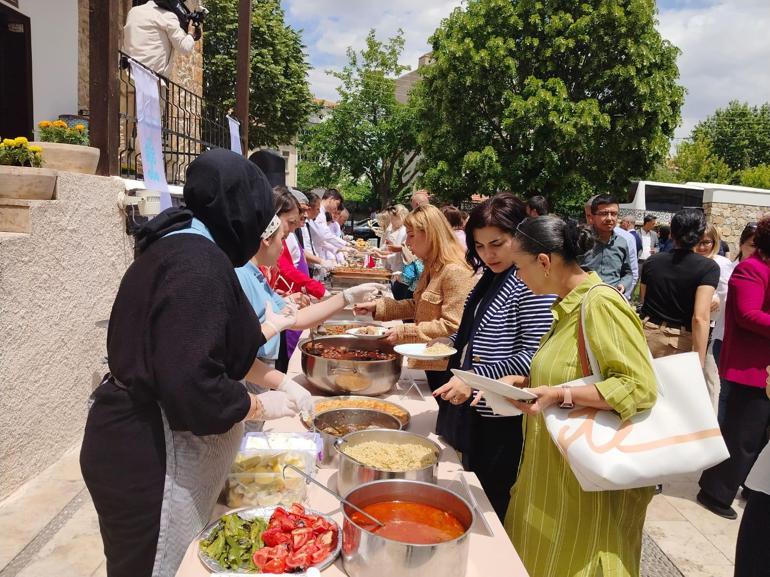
(152, 33)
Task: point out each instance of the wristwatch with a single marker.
(567, 402)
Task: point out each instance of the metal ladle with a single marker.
(333, 493)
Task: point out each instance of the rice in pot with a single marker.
(395, 457)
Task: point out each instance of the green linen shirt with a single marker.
(558, 529)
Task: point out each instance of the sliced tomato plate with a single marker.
(318, 537)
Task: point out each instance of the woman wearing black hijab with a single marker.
(166, 422)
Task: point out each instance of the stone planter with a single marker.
(22, 182)
(69, 157)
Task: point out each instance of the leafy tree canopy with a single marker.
(696, 162)
(280, 100)
(559, 98)
(369, 134)
(739, 134)
(756, 176)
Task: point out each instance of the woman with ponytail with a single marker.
(557, 528)
(677, 289)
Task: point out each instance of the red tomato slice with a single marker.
(261, 557)
(273, 537)
(325, 539)
(300, 536)
(297, 560)
(319, 555)
(309, 548)
(274, 566)
(297, 509)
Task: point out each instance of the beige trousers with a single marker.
(664, 341)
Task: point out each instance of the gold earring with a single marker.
(547, 274)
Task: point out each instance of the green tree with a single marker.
(280, 100)
(311, 174)
(739, 134)
(756, 176)
(559, 98)
(696, 162)
(369, 134)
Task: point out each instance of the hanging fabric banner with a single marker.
(148, 126)
(235, 135)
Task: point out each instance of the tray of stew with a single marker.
(270, 540)
(355, 402)
(344, 353)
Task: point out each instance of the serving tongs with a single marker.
(332, 493)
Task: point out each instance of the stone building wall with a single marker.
(731, 219)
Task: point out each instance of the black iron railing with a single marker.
(189, 127)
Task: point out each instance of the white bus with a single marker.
(661, 198)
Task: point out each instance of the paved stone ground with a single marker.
(49, 527)
(655, 563)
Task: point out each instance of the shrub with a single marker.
(58, 131)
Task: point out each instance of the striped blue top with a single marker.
(509, 333)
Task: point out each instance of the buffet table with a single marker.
(490, 553)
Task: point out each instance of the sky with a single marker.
(725, 44)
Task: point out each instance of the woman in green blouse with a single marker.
(558, 529)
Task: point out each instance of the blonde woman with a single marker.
(708, 246)
(439, 297)
(395, 237)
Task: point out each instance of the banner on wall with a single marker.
(148, 126)
(235, 135)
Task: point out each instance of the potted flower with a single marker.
(66, 147)
(20, 174)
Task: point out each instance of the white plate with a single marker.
(495, 392)
(417, 351)
(379, 333)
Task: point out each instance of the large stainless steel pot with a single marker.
(370, 378)
(351, 473)
(342, 417)
(365, 554)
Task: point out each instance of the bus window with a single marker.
(671, 198)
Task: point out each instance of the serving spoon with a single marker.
(333, 493)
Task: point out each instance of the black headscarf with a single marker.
(230, 195)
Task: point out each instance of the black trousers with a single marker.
(752, 555)
(123, 461)
(490, 447)
(745, 432)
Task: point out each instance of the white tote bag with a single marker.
(678, 435)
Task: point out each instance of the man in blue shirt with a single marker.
(610, 256)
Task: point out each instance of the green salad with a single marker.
(233, 542)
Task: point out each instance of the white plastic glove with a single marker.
(282, 320)
(297, 392)
(362, 293)
(277, 404)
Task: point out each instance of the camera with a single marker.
(185, 15)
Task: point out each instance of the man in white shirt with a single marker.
(327, 243)
(649, 237)
(152, 34)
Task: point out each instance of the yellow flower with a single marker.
(9, 141)
(60, 124)
(44, 124)
(21, 141)
(80, 127)
(35, 149)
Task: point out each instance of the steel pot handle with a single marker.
(344, 371)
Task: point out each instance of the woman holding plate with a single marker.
(557, 528)
(500, 330)
(438, 300)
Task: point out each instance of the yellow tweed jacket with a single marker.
(436, 308)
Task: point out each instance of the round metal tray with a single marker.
(249, 513)
(307, 417)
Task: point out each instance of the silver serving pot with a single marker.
(370, 378)
(352, 473)
(366, 554)
(342, 417)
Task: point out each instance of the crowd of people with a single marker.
(503, 285)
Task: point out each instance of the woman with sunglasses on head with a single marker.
(708, 246)
(745, 354)
(499, 333)
(558, 529)
(677, 289)
(437, 304)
